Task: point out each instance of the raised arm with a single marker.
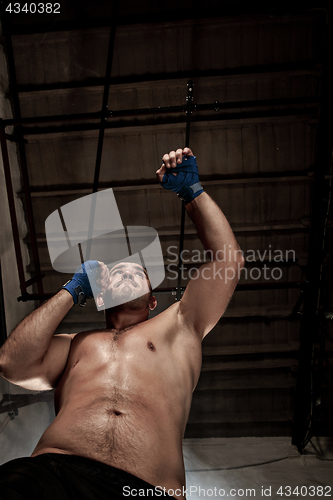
(206, 297)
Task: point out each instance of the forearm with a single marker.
(213, 229)
(30, 340)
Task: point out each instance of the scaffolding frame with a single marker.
(185, 113)
(322, 107)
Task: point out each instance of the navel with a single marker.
(151, 346)
(76, 362)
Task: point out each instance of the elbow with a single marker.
(9, 370)
(5, 369)
(2, 365)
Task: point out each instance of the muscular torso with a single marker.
(124, 399)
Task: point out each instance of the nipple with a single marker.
(151, 346)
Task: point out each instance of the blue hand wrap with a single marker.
(79, 286)
(186, 183)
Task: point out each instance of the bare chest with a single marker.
(110, 347)
(131, 364)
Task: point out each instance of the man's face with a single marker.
(125, 282)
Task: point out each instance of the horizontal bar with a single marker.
(239, 288)
(244, 315)
(253, 103)
(263, 178)
(14, 138)
(160, 110)
(172, 120)
(300, 67)
(13, 401)
(238, 228)
(35, 279)
(50, 119)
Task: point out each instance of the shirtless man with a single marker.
(123, 393)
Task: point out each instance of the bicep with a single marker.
(55, 360)
(45, 375)
(207, 295)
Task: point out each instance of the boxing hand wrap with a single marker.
(79, 286)
(186, 183)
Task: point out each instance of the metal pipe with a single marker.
(239, 288)
(189, 99)
(51, 118)
(3, 324)
(35, 279)
(104, 112)
(104, 115)
(23, 165)
(243, 115)
(214, 106)
(13, 218)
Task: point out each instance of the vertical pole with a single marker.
(189, 99)
(104, 115)
(3, 325)
(305, 398)
(105, 95)
(11, 202)
(23, 163)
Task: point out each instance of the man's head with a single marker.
(127, 287)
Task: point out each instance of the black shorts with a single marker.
(54, 476)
